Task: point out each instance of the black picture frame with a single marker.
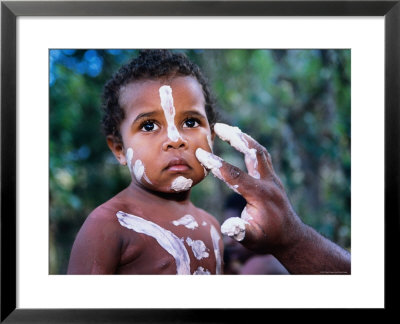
(10, 10)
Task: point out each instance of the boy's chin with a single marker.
(179, 184)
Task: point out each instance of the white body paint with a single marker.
(215, 239)
(129, 156)
(234, 227)
(201, 271)
(198, 248)
(139, 171)
(181, 184)
(210, 161)
(245, 215)
(167, 104)
(204, 223)
(188, 221)
(235, 137)
(167, 240)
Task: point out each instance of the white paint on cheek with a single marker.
(167, 240)
(235, 137)
(198, 248)
(167, 104)
(215, 239)
(188, 221)
(201, 271)
(234, 227)
(210, 161)
(204, 223)
(181, 184)
(138, 170)
(129, 156)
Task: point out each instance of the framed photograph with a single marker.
(354, 43)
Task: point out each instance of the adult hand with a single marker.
(268, 221)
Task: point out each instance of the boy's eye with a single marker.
(149, 126)
(191, 123)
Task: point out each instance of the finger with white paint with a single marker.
(239, 181)
(257, 158)
(233, 177)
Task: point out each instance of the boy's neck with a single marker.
(157, 196)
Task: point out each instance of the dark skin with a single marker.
(103, 245)
(275, 227)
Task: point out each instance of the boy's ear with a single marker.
(117, 148)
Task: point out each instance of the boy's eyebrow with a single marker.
(145, 115)
(193, 113)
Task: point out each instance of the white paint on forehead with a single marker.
(204, 223)
(167, 104)
(234, 227)
(201, 271)
(129, 156)
(210, 161)
(167, 240)
(181, 184)
(188, 221)
(235, 137)
(215, 239)
(198, 248)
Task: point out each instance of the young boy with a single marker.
(158, 111)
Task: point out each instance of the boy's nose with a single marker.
(181, 143)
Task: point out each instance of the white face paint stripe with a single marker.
(215, 239)
(188, 221)
(167, 240)
(167, 104)
(129, 156)
(198, 248)
(181, 184)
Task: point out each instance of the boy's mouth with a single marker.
(177, 165)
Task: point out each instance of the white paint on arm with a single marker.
(218, 258)
(167, 104)
(167, 240)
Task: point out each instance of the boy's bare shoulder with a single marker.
(208, 218)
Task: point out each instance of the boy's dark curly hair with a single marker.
(150, 64)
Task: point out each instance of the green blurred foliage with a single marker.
(294, 102)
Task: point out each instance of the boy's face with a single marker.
(165, 122)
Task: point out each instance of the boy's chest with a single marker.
(177, 245)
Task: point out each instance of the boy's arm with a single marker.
(96, 249)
